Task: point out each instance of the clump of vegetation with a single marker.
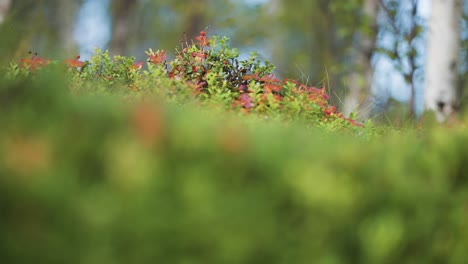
(207, 70)
(85, 178)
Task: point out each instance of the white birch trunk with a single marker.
(4, 8)
(441, 93)
(360, 80)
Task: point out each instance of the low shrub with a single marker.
(206, 70)
(87, 179)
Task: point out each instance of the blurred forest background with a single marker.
(369, 53)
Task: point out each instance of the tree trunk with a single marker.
(120, 25)
(4, 8)
(360, 80)
(66, 20)
(195, 19)
(441, 92)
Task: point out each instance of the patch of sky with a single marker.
(93, 27)
(254, 2)
(388, 80)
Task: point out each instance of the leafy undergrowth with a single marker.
(91, 180)
(207, 71)
(149, 168)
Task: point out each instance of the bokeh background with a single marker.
(316, 41)
(88, 178)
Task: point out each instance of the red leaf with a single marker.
(200, 55)
(34, 62)
(157, 57)
(272, 87)
(202, 40)
(245, 100)
(250, 77)
(71, 63)
(137, 65)
(330, 110)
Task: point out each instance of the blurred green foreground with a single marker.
(88, 179)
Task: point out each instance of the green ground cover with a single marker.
(207, 159)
